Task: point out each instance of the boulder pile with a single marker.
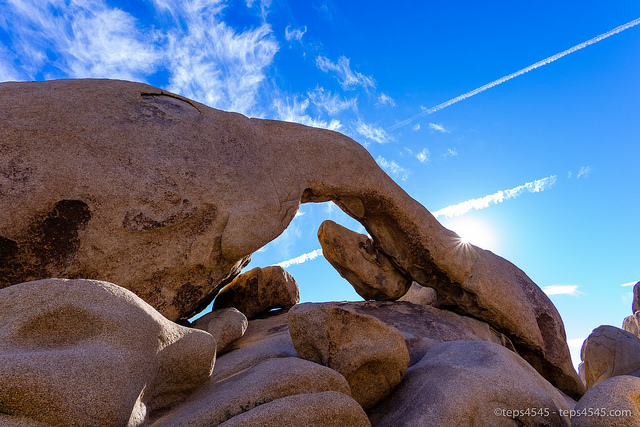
(126, 209)
(611, 370)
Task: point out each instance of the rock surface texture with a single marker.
(421, 295)
(112, 181)
(258, 291)
(326, 409)
(635, 305)
(270, 380)
(127, 183)
(614, 402)
(370, 354)
(226, 325)
(632, 324)
(608, 352)
(471, 383)
(88, 353)
(355, 257)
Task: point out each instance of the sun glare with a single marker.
(474, 231)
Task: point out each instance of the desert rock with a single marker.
(370, 354)
(635, 305)
(127, 183)
(420, 295)
(81, 352)
(471, 383)
(423, 327)
(614, 402)
(226, 325)
(326, 409)
(355, 257)
(608, 352)
(270, 380)
(632, 324)
(258, 291)
(266, 338)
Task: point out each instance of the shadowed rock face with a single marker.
(168, 198)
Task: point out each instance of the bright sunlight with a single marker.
(473, 231)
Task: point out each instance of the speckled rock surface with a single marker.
(81, 352)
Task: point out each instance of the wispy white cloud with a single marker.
(106, 42)
(451, 152)
(518, 73)
(584, 172)
(8, 71)
(294, 34)
(393, 169)
(203, 57)
(294, 110)
(372, 132)
(77, 39)
(629, 283)
(536, 186)
(332, 103)
(438, 128)
(385, 99)
(211, 62)
(264, 5)
(561, 290)
(416, 127)
(301, 259)
(424, 155)
(348, 78)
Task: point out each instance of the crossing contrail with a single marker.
(517, 73)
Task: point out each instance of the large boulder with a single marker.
(127, 183)
(226, 325)
(422, 328)
(259, 290)
(273, 379)
(632, 324)
(325, 409)
(614, 402)
(635, 305)
(81, 352)
(371, 355)
(355, 257)
(425, 326)
(608, 352)
(266, 338)
(472, 383)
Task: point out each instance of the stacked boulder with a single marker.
(611, 369)
(107, 182)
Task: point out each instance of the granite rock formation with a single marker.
(226, 325)
(372, 355)
(635, 306)
(614, 402)
(258, 291)
(82, 352)
(472, 383)
(370, 272)
(609, 352)
(127, 183)
(122, 182)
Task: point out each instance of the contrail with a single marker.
(517, 73)
(301, 259)
(495, 198)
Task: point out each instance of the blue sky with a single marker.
(541, 168)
